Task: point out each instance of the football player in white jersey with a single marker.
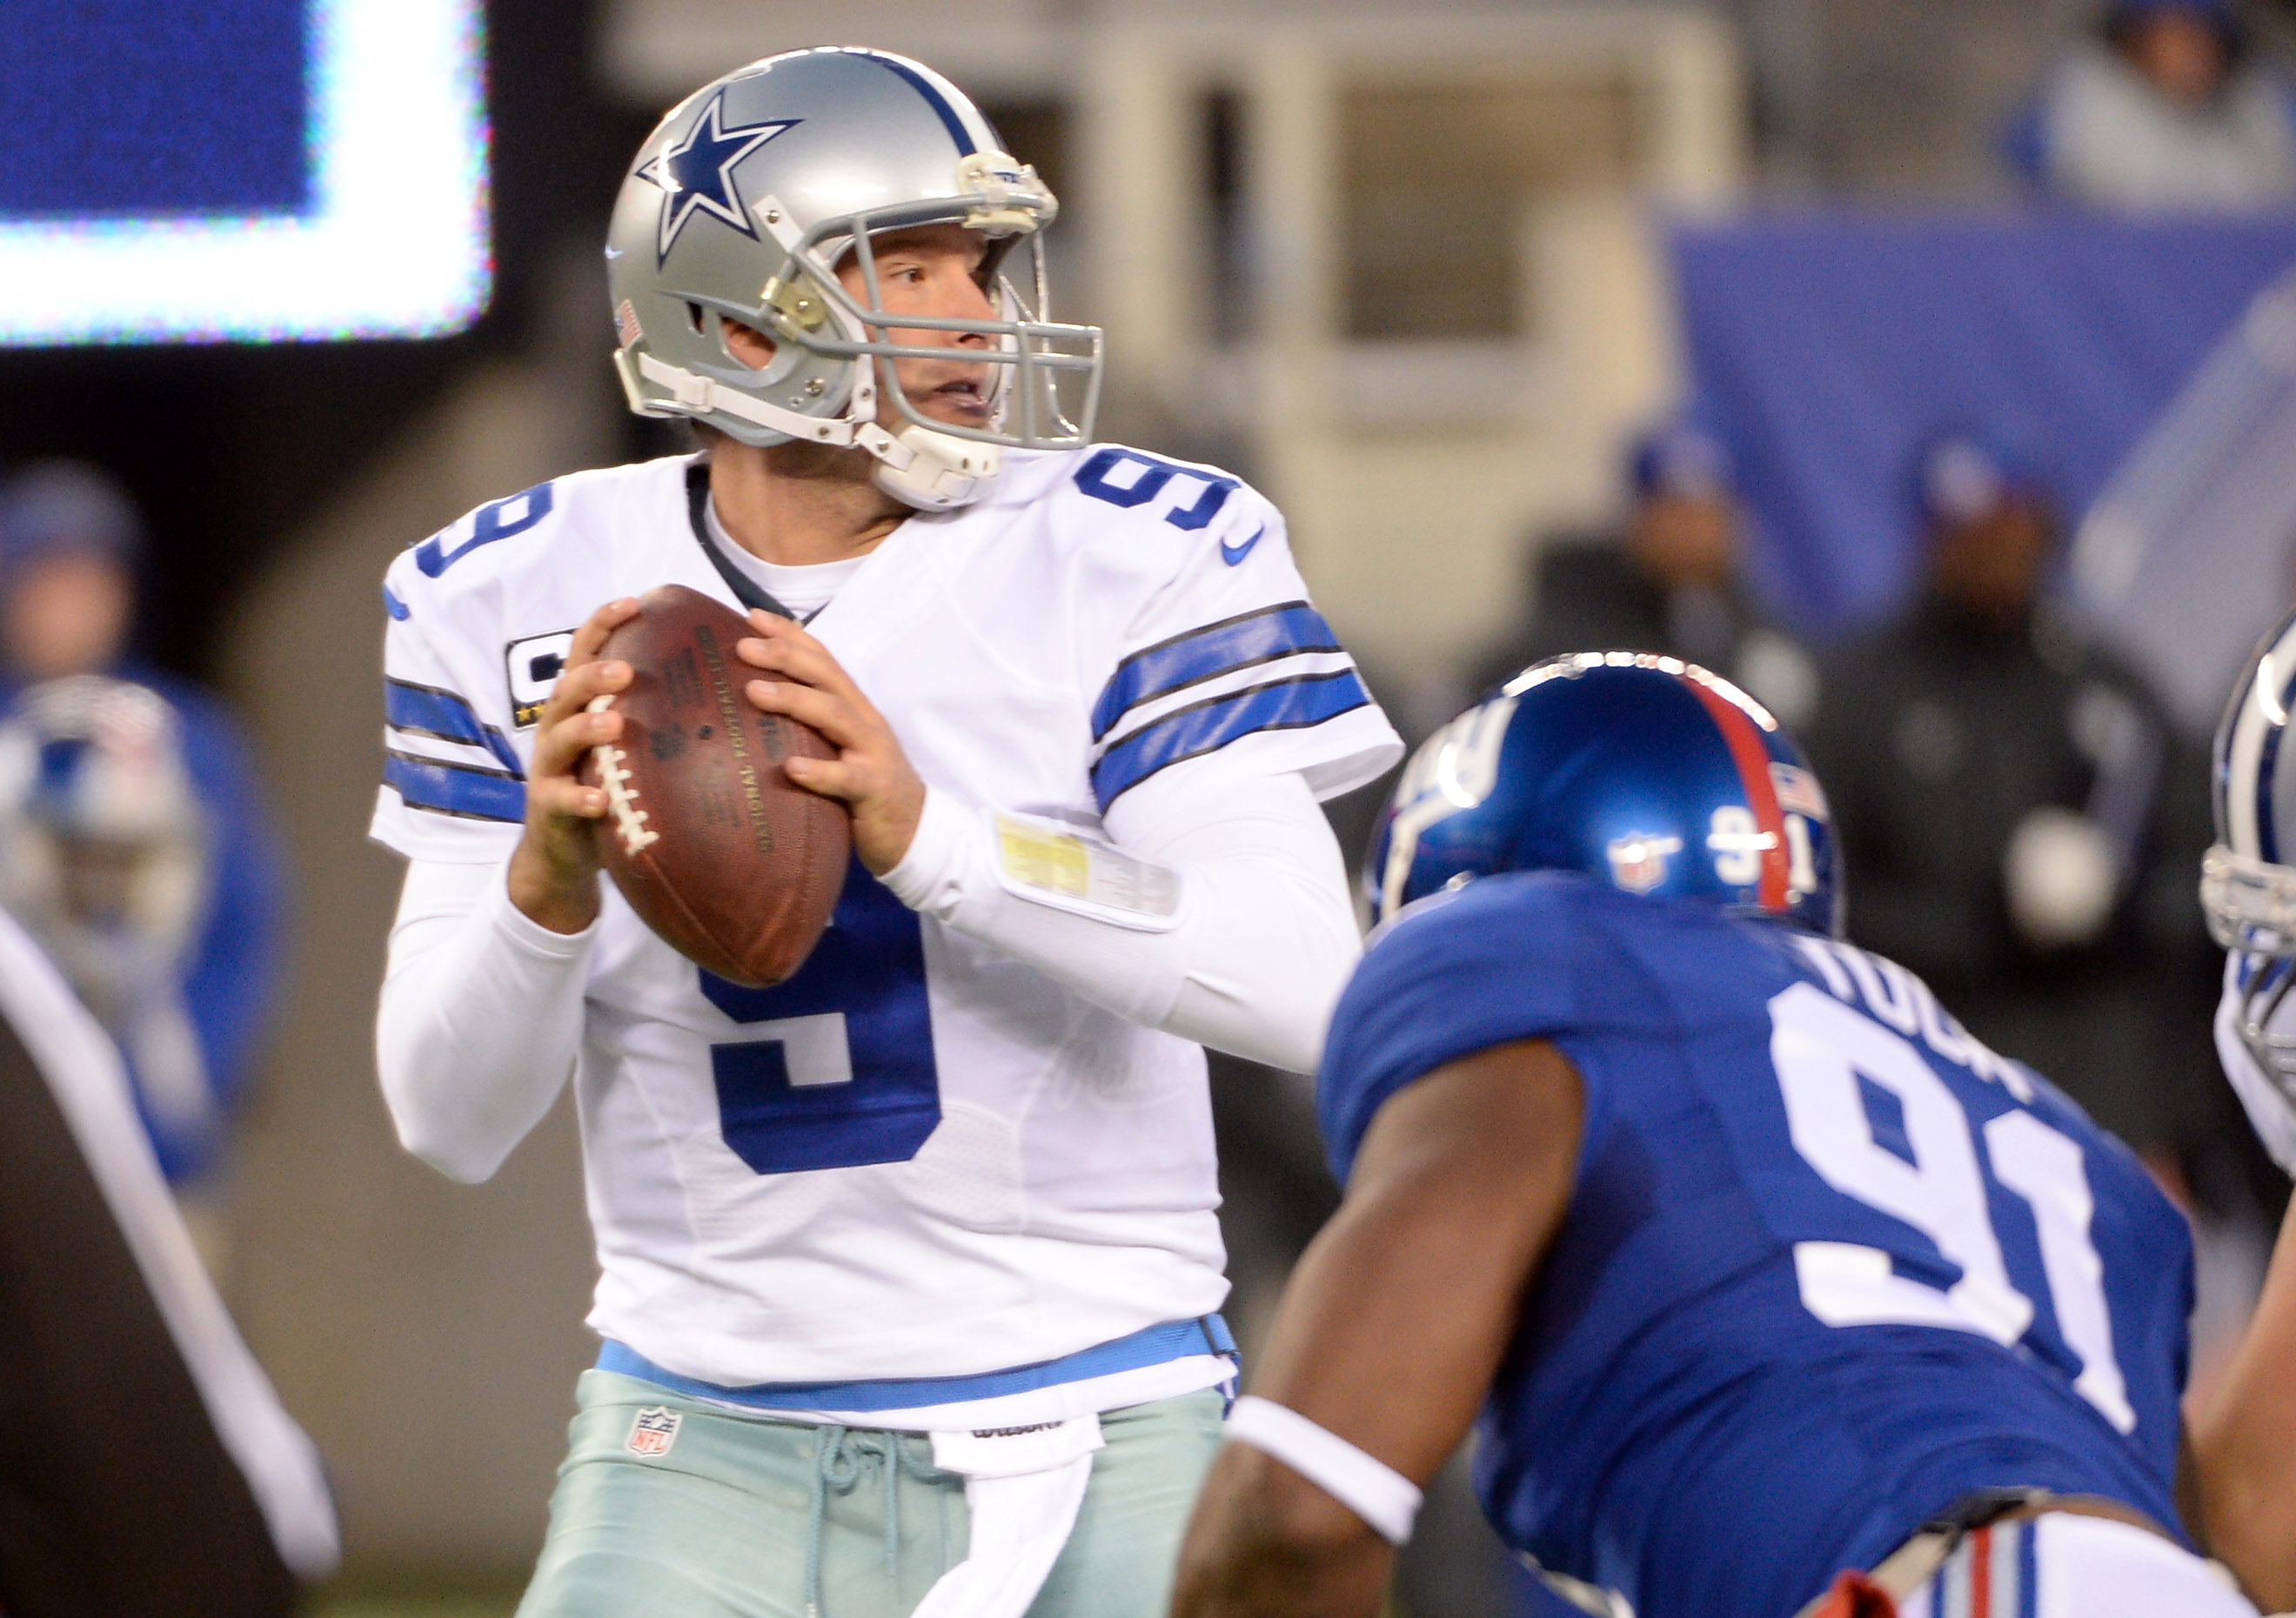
(2248, 889)
(910, 1266)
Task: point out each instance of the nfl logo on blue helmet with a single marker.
(1644, 772)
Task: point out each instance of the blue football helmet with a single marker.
(2248, 880)
(1645, 772)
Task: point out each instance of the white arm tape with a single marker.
(1219, 913)
(1365, 1484)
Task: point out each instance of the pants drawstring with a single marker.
(838, 1454)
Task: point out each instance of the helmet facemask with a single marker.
(1028, 355)
(2250, 905)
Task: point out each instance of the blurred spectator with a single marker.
(70, 543)
(2166, 108)
(103, 859)
(2018, 828)
(1668, 582)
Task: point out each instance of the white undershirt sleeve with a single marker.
(1250, 960)
(480, 1020)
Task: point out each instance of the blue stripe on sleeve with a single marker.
(1208, 726)
(426, 710)
(1281, 630)
(392, 605)
(473, 795)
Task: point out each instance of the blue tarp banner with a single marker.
(1826, 347)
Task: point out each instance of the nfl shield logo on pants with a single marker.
(654, 1430)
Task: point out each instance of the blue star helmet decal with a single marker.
(698, 173)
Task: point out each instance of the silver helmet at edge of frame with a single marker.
(741, 206)
(2248, 878)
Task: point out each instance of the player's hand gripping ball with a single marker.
(733, 864)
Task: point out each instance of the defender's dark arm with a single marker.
(1392, 1327)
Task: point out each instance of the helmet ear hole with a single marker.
(693, 316)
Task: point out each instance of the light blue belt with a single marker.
(1152, 1345)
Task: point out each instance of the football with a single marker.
(734, 865)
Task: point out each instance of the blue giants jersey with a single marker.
(1829, 1265)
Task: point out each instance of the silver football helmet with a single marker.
(2248, 880)
(741, 206)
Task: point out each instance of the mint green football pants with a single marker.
(745, 1517)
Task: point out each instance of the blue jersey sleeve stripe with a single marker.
(1208, 726)
(428, 710)
(476, 795)
(392, 605)
(432, 711)
(1262, 636)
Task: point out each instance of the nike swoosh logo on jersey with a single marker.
(1234, 554)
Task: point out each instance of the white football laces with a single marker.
(622, 790)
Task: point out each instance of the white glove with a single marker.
(2061, 878)
(2271, 1113)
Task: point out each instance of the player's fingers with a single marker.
(773, 626)
(789, 649)
(776, 654)
(825, 712)
(769, 630)
(805, 665)
(807, 658)
(597, 627)
(559, 745)
(582, 684)
(562, 795)
(585, 675)
(581, 715)
(830, 777)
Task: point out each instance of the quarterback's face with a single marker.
(933, 270)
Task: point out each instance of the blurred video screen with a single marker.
(240, 170)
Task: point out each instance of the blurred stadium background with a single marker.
(1423, 269)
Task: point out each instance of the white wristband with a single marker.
(1365, 1484)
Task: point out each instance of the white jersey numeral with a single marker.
(1802, 868)
(1821, 1049)
(1738, 844)
(2044, 1168)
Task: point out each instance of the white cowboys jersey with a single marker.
(917, 1158)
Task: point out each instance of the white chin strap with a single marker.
(933, 471)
